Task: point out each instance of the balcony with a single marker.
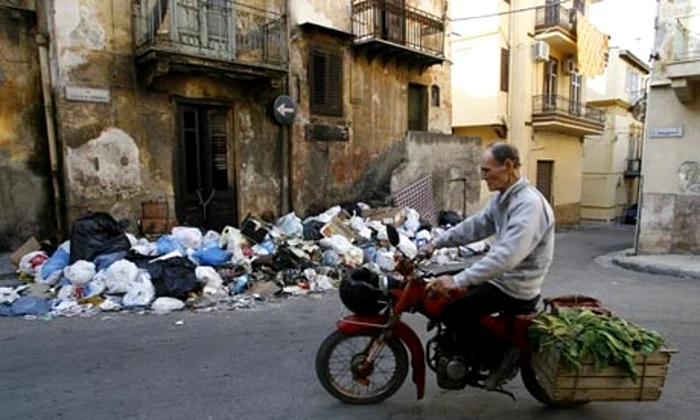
(391, 30)
(557, 26)
(212, 37)
(634, 168)
(563, 115)
(684, 67)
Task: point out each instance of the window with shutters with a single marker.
(505, 65)
(326, 83)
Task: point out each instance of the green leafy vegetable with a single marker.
(607, 339)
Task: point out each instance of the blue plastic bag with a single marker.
(102, 262)
(167, 244)
(213, 256)
(58, 261)
(26, 305)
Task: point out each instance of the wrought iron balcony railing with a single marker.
(214, 29)
(561, 105)
(394, 21)
(555, 15)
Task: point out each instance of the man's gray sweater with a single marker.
(519, 258)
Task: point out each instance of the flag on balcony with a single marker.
(592, 47)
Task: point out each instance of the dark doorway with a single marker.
(417, 107)
(545, 178)
(205, 186)
(391, 21)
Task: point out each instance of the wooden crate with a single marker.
(609, 384)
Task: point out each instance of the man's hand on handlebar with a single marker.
(441, 286)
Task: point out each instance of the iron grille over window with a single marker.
(326, 82)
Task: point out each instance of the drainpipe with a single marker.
(640, 184)
(287, 131)
(42, 40)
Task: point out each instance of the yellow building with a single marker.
(518, 76)
(612, 161)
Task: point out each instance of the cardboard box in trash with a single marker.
(387, 215)
(30, 245)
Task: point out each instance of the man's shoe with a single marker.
(506, 371)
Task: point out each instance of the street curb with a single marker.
(624, 260)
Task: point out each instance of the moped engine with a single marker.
(451, 372)
(448, 359)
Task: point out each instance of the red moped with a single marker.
(350, 361)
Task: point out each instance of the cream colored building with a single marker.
(670, 199)
(520, 77)
(611, 164)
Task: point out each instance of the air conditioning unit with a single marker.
(540, 51)
(570, 65)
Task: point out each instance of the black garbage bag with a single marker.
(448, 217)
(96, 234)
(312, 230)
(351, 207)
(173, 277)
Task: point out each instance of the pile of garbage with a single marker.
(102, 268)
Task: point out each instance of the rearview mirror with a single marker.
(393, 235)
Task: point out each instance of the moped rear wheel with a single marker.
(535, 388)
(339, 363)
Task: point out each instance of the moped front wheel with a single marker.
(341, 367)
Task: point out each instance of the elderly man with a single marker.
(509, 277)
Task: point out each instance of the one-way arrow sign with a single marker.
(284, 110)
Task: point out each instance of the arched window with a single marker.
(435, 95)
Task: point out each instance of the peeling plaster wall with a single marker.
(25, 187)
(670, 201)
(120, 153)
(375, 113)
(453, 161)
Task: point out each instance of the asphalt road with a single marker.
(258, 364)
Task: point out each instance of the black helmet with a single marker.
(360, 293)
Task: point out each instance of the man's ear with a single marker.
(508, 163)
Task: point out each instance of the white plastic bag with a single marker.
(144, 247)
(189, 237)
(211, 236)
(96, 286)
(167, 304)
(385, 260)
(290, 226)
(67, 292)
(80, 273)
(412, 223)
(28, 264)
(132, 239)
(141, 291)
(231, 236)
(329, 214)
(213, 283)
(407, 246)
(8, 295)
(119, 275)
(352, 255)
(358, 225)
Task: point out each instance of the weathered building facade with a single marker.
(520, 77)
(612, 161)
(172, 100)
(364, 73)
(670, 201)
(25, 186)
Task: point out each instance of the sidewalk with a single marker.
(687, 266)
